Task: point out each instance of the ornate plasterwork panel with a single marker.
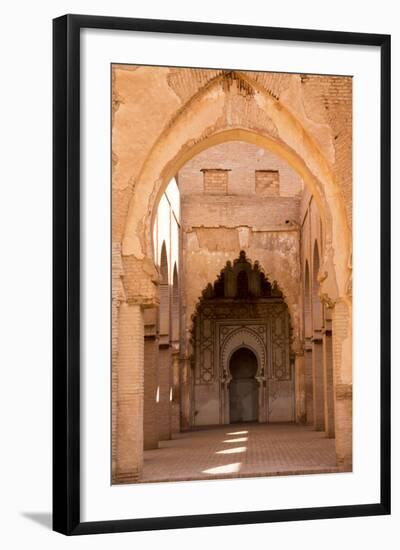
(261, 325)
(233, 337)
(279, 326)
(205, 348)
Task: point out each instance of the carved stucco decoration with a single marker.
(268, 324)
(243, 302)
(233, 337)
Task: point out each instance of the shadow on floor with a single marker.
(42, 518)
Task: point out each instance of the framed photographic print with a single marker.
(221, 274)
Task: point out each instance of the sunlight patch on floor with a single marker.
(232, 451)
(226, 469)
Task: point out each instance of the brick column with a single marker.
(175, 413)
(150, 420)
(343, 425)
(318, 382)
(300, 388)
(342, 366)
(129, 395)
(328, 382)
(114, 379)
(309, 383)
(185, 394)
(164, 381)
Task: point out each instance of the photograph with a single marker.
(198, 277)
(231, 269)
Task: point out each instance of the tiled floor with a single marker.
(240, 450)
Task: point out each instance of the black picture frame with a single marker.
(66, 273)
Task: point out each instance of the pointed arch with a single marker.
(307, 303)
(243, 338)
(225, 320)
(316, 301)
(175, 306)
(203, 122)
(164, 312)
(164, 264)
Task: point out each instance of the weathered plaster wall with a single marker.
(217, 227)
(276, 251)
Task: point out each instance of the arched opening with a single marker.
(279, 270)
(316, 302)
(319, 371)
(307, 319)
(320, 182)
(243, 388)
(317, 176)
(164, 293)
(253, 316)
(175, 307)
(307, 304)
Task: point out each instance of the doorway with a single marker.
(243, 388)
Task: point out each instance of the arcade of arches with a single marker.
(231, 274)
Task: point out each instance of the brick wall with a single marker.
(215, 182)
(150, 419)
(328, 99)
(129, 396)
(242, 160)
(164, 381)
(235, 210)
(267, 183)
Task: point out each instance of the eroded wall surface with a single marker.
(217, 226)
